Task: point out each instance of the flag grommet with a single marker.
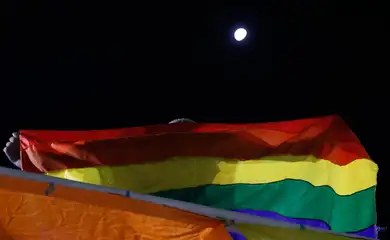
(49, 189)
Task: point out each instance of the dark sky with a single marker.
(84, 65)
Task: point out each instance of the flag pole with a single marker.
(211, 212)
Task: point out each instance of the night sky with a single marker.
(94, 65)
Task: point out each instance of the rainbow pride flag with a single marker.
(312, 172)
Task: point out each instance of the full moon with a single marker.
(240, 34)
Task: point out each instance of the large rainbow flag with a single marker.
(312, 172)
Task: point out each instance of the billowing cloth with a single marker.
(26, 213)
(283, 170)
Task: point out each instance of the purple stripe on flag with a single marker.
(237, 236)
(368, 232)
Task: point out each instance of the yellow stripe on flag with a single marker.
(185, 172)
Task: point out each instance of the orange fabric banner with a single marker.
(26, 213)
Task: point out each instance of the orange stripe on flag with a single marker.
(325, 138)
